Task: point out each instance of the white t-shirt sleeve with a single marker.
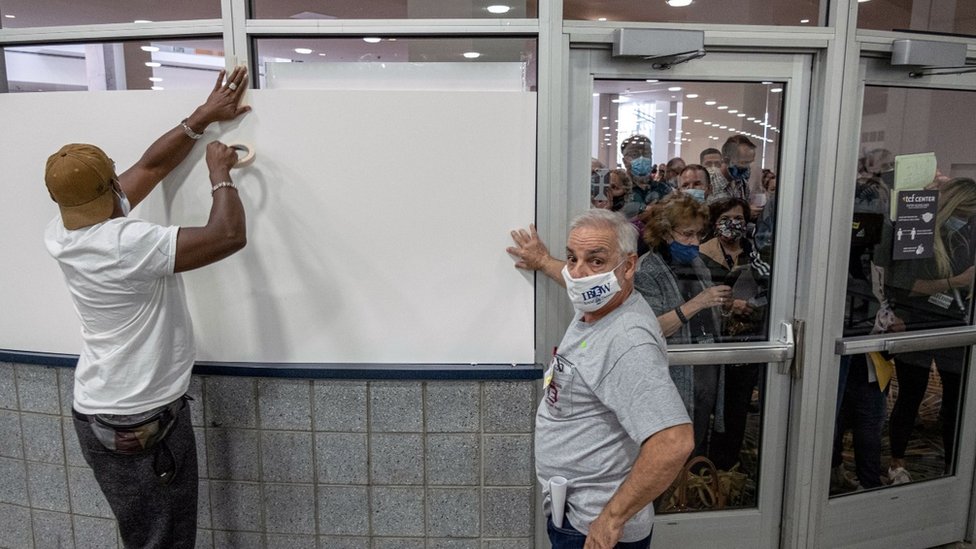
(146, 251)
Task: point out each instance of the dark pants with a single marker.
(706, 393)
(913, 380)
(861, 407)
(150, 514)
(740, 380)
(568, 537)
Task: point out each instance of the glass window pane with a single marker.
(729, 12)
(132, 65)
(897, 418)
(723, 470)
(913, 237)
(693, 165)
(657, 157)
(392, 9)
(942, 16)
(48, 13)
(400, 63)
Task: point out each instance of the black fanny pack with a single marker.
(136, 433)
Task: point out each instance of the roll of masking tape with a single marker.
(245, 154)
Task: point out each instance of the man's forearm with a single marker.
(660, 459)
(553, 268)
(156, 163)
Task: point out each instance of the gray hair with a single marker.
(606, 219)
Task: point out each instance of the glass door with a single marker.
(903, 446)
(707, 154)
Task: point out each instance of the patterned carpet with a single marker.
(925, 456)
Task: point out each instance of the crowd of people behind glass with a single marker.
(888, 294)
(704, 267)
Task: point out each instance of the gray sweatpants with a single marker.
(150, 514)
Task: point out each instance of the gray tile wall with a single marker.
(293, 463)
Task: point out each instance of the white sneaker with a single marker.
(843, 481)
(898, 475)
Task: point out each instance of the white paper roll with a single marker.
(245, 154)
(557, 491)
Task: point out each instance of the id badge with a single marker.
(943, 301)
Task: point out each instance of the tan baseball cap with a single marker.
(79, 178)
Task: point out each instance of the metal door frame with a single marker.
(891, 516)
(759, 527)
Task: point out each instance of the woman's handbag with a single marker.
(701, 486)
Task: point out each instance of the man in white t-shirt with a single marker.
(131, 415)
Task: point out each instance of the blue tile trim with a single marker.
(320, 370)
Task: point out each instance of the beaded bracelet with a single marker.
(222, 185)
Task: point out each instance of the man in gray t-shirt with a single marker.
(611, 420)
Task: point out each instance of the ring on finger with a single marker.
(232, 86)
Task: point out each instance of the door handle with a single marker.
(780, 350)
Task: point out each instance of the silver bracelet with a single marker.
(221, 186)
(189, 131)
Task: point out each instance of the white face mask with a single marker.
(126, 207)
(590, 293)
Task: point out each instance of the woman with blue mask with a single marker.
(677, 285)
(934, 292)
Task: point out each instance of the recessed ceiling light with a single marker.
(776, 90)
(157, 88)
(684, 118)
(651, 81)
(723, 127)
(698, 120)
(153, 64)
(679, 3)
(471, 55)
(674, 89)
(372, 39)
(142, 21)
(498, 8)
(8, 16)
(619, 100)
(155, 79)
(303, 51)
(321, 54)
(602, 19)
(672, 114)
(692, 95)
(751, 118)
(711, 102)
(722, 107)
(741, 115)
(804, 21)
(149, 48)
(733, 111)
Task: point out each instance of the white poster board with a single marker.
(377, 223)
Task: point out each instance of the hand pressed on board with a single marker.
(529, 249)
(224, 101)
